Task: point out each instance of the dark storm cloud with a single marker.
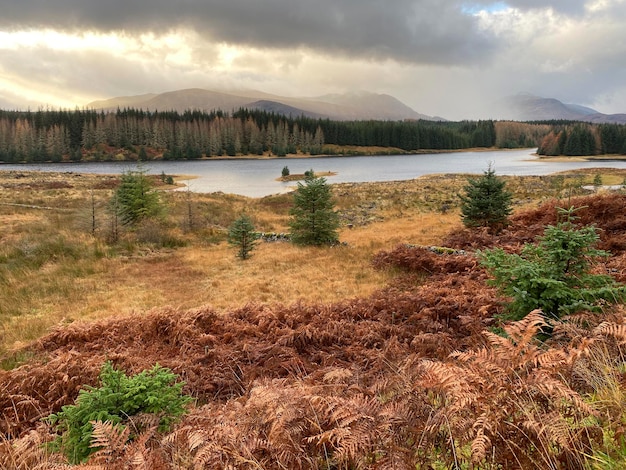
(414, 31)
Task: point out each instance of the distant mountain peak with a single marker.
(529, 107)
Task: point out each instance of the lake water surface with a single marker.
(257, 178)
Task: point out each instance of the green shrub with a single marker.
(117, 399)
(553, 275)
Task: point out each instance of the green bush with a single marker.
(117, 399)
(554, 275)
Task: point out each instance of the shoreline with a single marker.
(352, 152)
(582, 158)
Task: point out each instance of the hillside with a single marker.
(528, 107)
(334, 380)
(349, 106)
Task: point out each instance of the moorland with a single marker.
(375, 353)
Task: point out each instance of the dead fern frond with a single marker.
(551, 359)
(351, 426)
(561, 395)
(28, 452)
(617, 331)
(523, 331)
(480, 445)
(449, 380)
(337, 375)
(110, 439)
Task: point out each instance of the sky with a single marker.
(448, 58)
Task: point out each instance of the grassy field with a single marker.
(56, 265)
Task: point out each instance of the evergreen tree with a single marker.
(135, 199)
(313, 220)
(597, 180)
(143, 155)
(555, 275)
(242, 235)
(486, 202)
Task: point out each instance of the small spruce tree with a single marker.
(313, 220)
(116, 401)
(135, 199)
(486, 202)
(555, 275)
(597, 180)
(242, 235)
(285, 171)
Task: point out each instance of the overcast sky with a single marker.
(441, 57)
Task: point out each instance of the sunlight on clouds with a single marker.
(147, 51)
(56, 40)
(602, 5)
(227, 55)
(38, 92)
(521, 26)
(172, 47)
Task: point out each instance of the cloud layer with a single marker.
(439, 57)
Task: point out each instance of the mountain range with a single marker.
(347, 106)
(360, 105)
(528, 107)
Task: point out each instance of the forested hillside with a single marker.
(131, 134)
(577, 139)
(143, 135)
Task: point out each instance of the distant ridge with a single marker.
(348, 106)
(122, 102)
(281, 108)
(528, 107)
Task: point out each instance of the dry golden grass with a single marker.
(53, 271)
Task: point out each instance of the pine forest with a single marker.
(130, 134)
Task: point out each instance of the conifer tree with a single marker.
(242, 235)
(486, 202)
(135, 199)
(556, 274)
(313, 220)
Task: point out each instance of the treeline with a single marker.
(131, 134)
(410, 135)
(134, 134)
(143, 135)
(578, 139)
